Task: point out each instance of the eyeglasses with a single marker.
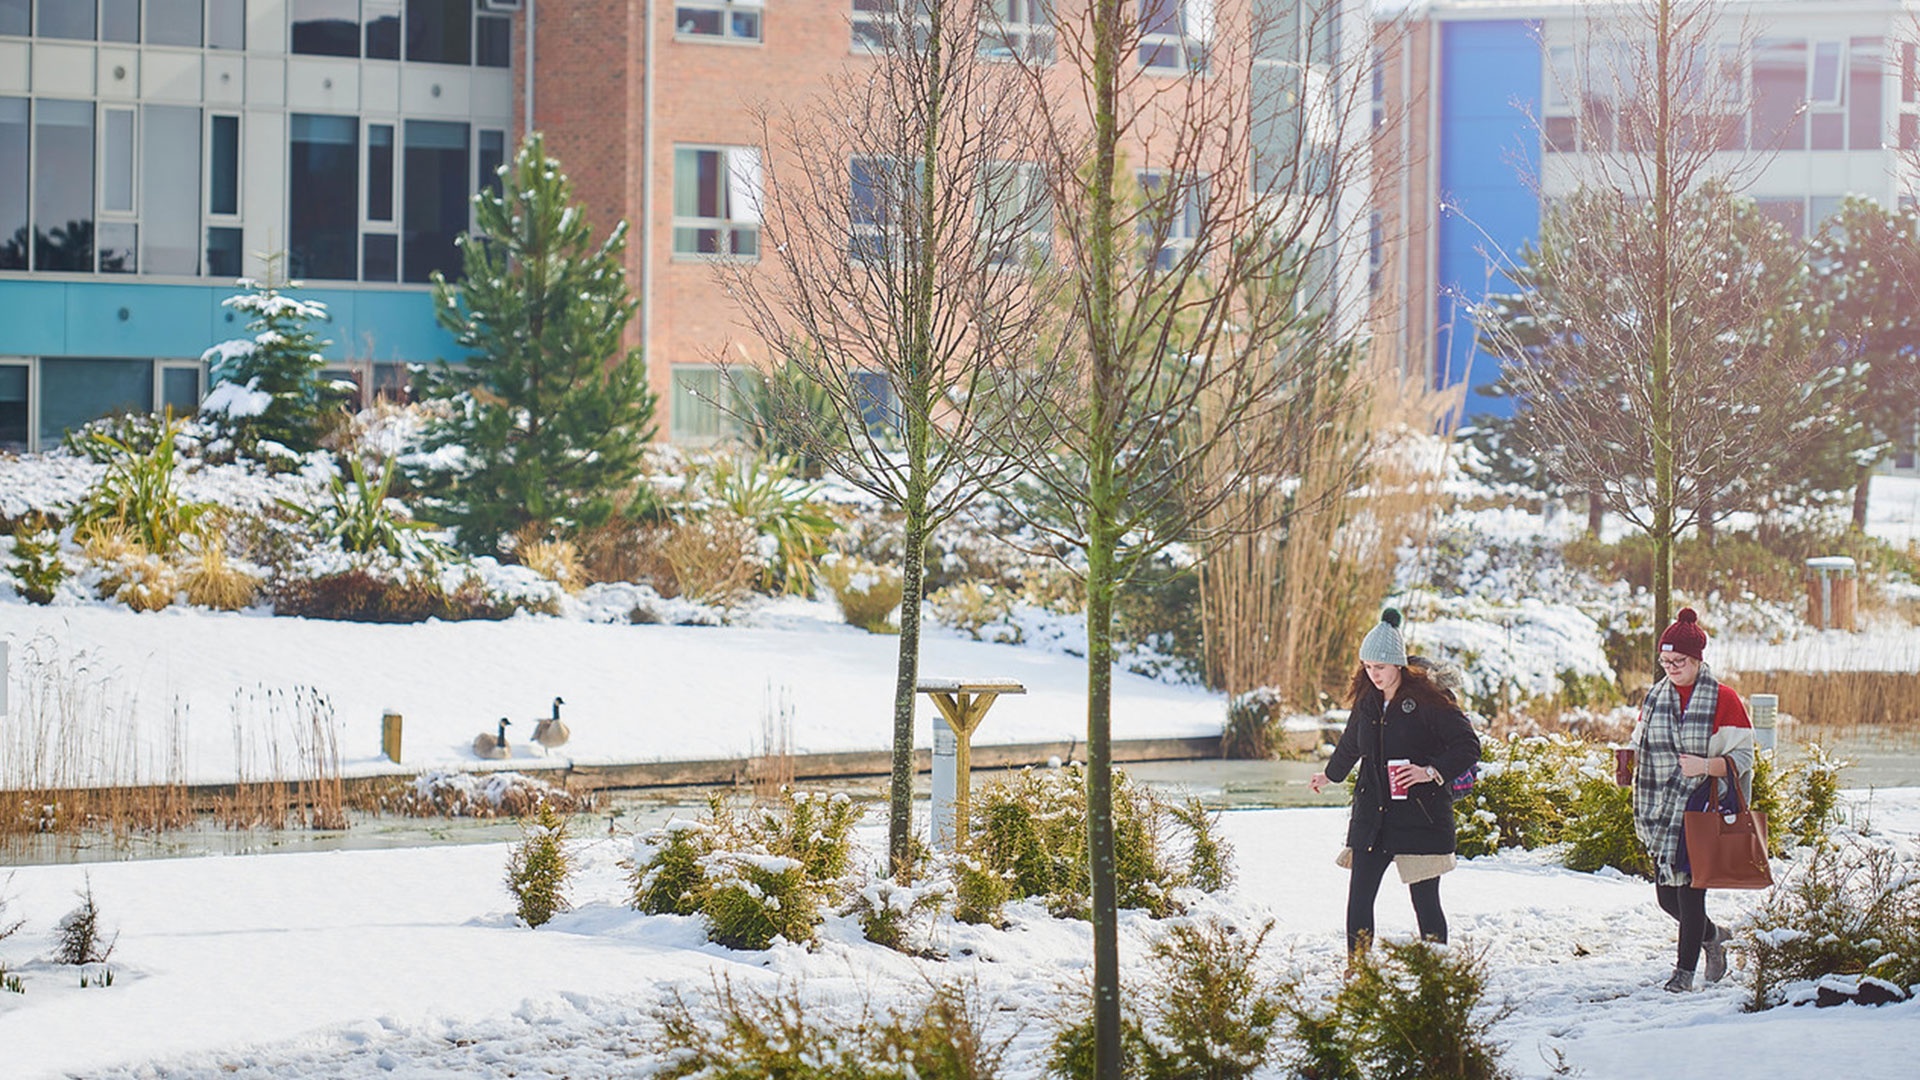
(1672, 663)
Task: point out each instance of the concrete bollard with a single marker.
(390, 736)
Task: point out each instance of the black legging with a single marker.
(1368, 869)
(1689, 905)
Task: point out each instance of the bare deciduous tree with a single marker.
(1206, 165)
(1657, 355)
(908, 238)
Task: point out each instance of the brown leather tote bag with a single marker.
(1728, 851)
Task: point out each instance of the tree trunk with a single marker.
(1860, 489)
(1663, 434)
(906, 675)
(1107, 389)
(1707, 529)
(1596, 512)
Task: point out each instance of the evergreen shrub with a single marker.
(1205, 1012)
(1253, 730)
(1526, 789)
(538, 867)
(980, 893)
(1410, 1011)
(899, 917)
(36, 567)
(1599, 831)
(1849, 906)
(79, 938)
(974, 606)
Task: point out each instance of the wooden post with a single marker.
(964, 705)
(390, 736)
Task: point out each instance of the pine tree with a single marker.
(267, 389)
(551, 411)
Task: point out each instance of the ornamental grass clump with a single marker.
(867, 593)
(1206, 1012)
(538, 868)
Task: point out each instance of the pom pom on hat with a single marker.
(1685, 636)
(1383, 644)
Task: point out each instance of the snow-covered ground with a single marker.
(409, 964)
(633, 693)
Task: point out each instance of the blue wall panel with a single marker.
(1490, 77)
(82, 318)
(33, 318)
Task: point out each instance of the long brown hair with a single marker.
(1414, 684)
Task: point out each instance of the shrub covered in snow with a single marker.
(897, 916)
(485, 795)
(79, 938)
(867, 593)
(1527, 787)
(1410, 1011)
(269, 401)
(977, 608)
(36, 566)
(1030, 827)
(754, 877)
(538, 866)
(1849, 907)
(1205, 1010)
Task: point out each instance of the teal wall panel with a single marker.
(160, 320)
(33, 318)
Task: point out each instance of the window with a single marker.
(323, 210)
(16, 17)
(379, 172)
(1558, 121)
(64, 19)
(117, 240)
(63, 185)
(1779, 89)
(170, 189)
(879, 408)
(440, 31)
(1791, 212)
(695, 412)
(1016, 213)
(223, 165)
(875, 22)
(1017, 29)
(177, 387)
(492, 155)
(1175, 35)
(1171, 217)
(226, 24)
(738, 20)
(223, 251)
(325, 27)
(493, 41)
(434, 205)
(174, 22)
(120, 20)
(75, 390)
(878, 192)
(13, 183)
(382, 21)
(1866, 126)
(1376, 249)
(716, 201)
(16, 400)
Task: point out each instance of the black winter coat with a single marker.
(1422, 823)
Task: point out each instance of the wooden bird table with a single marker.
(963, 703)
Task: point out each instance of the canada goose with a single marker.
(493, 746)
(549, 731)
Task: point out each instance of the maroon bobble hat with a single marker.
(1685, 636)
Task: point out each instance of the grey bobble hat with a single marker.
(1383, 644)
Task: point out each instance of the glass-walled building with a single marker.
(153, 151)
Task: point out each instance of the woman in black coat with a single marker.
(1405, 734)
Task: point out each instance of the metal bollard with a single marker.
(1766, 711)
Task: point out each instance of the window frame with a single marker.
(726, 9)
(727, 227)
(1033, 243)
(1193, 52)
(725, 425)
(1179, 242)
(163, 365)
(1016, 36)
(32, 366)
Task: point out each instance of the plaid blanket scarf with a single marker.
(1659, 791)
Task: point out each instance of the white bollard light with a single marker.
(1766, 712)
(946, 772)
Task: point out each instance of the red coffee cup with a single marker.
(1623, 765)
(1395, 788)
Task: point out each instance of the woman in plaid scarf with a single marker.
(1689, 726)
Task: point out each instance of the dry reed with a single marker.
(211, 581)
(770, 770)
(710, 559)
(1841, 700)
(1286, 607)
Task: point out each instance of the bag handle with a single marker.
(1733, 781)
